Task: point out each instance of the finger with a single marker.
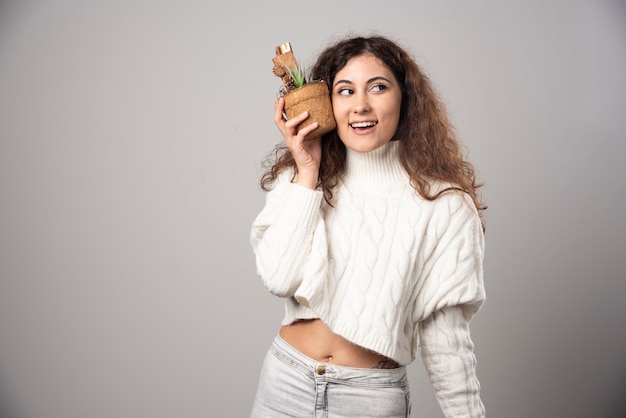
(279, 105)
(291, 129)
(297, 120)
(308, 129)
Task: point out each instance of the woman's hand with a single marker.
(307, 154)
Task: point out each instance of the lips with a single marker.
(362, 125)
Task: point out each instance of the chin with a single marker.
(364, 146)
(363, 150)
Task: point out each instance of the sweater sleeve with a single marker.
(452, 293)
(452, 271)
(282, 235)
(448, 355)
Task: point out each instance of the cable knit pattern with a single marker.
(383, 268)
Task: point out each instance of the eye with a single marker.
(345, 91)
(379, 87)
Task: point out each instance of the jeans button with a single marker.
(320, 370)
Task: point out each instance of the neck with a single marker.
(374, 169)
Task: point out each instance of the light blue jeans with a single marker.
(294, 385)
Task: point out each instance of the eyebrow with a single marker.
(368, 81)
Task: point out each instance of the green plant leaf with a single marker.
(297, 75)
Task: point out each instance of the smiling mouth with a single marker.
(362, 125)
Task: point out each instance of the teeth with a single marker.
(362, 124)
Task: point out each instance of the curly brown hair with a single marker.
(429, 149)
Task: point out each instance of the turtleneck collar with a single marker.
(378, 168)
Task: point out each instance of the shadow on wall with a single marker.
(617, 406)
(7, 407)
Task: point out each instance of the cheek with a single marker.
(337, 110)
(394, 117)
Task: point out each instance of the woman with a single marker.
(373, 235)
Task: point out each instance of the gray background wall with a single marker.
(131, 136)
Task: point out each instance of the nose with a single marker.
(360, 105)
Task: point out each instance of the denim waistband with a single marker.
(334, 373)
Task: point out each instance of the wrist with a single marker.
(307, 180)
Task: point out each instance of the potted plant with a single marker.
(301, 95)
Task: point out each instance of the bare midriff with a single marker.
(314, 339)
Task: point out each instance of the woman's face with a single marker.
(366, 101)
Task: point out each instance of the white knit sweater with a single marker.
(382, 267)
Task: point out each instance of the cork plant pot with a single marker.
(312, 97)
